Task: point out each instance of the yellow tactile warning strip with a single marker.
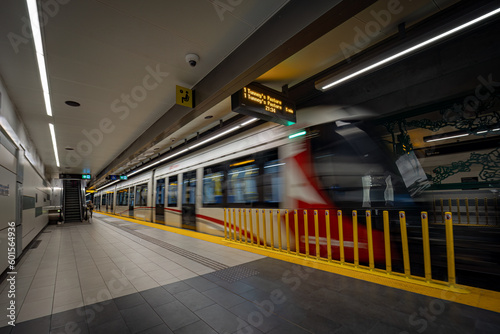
(480, 298)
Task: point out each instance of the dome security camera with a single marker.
(192, 59)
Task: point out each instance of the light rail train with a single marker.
(320, 163)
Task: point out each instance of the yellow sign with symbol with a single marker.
(184, 96)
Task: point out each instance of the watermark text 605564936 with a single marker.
(11, 274)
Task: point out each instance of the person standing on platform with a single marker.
(90, 207)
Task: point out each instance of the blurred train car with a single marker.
(327, 161)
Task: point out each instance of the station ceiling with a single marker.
(121, 60)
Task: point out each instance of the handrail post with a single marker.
(450, 249)
(426, 245)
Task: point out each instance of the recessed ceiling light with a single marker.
(72, 103)
(208, 117)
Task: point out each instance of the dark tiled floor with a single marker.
(281, 298)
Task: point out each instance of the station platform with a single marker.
(114, 275)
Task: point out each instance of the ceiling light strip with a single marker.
(54, 144)
(37, 38)
(444, 138)
(195, 145)
(411, 49)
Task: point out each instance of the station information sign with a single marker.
(117, 177)
(265, 103)
(75, 176)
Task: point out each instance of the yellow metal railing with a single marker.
(316, 237)
(467, 211)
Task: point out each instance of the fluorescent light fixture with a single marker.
(444, 137)
(409, 50)
(298, 134)
(54, 144)
(276, 165)
(193, 146)
(37, 38)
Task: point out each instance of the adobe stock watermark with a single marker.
(121, 107)
(420, 320)
(293, 278)
(48, 10)
(223, 6)
(372, 29)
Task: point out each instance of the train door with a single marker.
(111, 200)
(131, 202)
(189, 200)
(160, 201)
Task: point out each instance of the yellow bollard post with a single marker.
(404, 241)
(450, 249)
(239, 223)
(316, 232)
(245, 225)
(264, 228)
(370, 239)
(287, 227)
(306, 233)
(355, 237)
(225, 225)
(296, 221)
(279, 230)
(427, 247)
(458, 212)
(341, 236)
(250, 220)
(387, 241)
(328, 236)
(234, 224)
(257, 221)
(271, 225)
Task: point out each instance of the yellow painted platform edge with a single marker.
(476, 297)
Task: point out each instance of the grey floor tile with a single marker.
(71, 327)
(221, 319)
(256, 316)
(112, 326)
(129, 301)
(193, 299)
(140, 318)
(224, 297)
(177, 287)
(100, 313)
(199, 283)
(198, 327)
(40, 325)
(161, 329)
(71, 316)
(176, 315)
(157, 296)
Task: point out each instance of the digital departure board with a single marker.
(265, 103)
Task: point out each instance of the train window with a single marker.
(272, 181)
(122, 197)
(213, 181)
(160, 192)
(103, 199)
(172, 191)
(141, 195)
(242, 182)
(189, 187)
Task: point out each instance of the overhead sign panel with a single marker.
(117, 177)
(75, 176)
(265, 103)
(184, 96)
